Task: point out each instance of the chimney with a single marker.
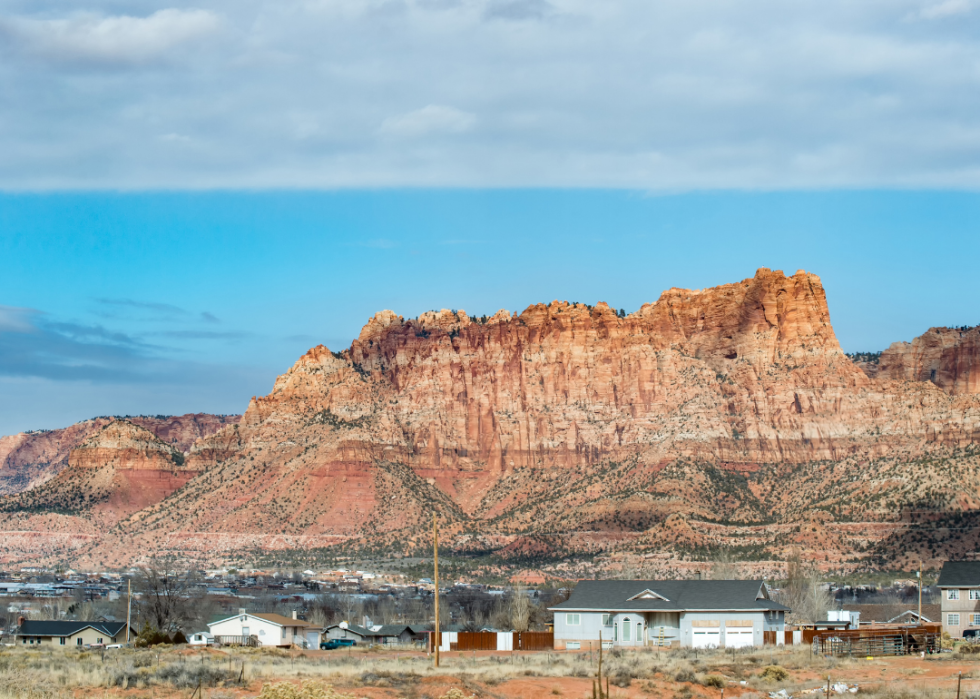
(295, 614)
(21, 620)
(241, 611)
(699, 575)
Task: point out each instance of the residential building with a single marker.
(70, 634)
(688, 613)
(384, 634)
(266, 629)
(200, 639)
(959, 591)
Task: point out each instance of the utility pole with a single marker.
(920, 592)
(435, 559)
(129, 608)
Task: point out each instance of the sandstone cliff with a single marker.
(725, 416)
(29, 459)
(947, 357)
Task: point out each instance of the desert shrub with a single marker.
(454, 693)
(193, 675)
(684, 675)
(774, 673)
(968, 649)
(179, 637)
(713, 681)
(619, 675)
(128, 676)
(311, 689)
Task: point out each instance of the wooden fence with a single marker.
(474, 641)
(534, 640)
(484, 640)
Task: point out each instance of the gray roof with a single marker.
(678, 595)
(960, 574)
(67, 628)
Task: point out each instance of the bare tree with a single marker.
(520, 609)
(725, 566)
(350, 607)
(803, 592)
(163, 597)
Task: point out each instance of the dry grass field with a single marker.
(178, 672)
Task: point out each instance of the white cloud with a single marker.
(433, 119)
(625, 93)
(947, 8)
(109, 38)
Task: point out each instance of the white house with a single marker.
(266, 630)
(689, 613)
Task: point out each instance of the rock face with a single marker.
(720, 417)
(116, 472)
(29, 459)
(125, 446)
(947, 357)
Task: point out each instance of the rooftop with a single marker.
(670, 595)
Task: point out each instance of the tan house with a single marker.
(70, 634)
(959, 587)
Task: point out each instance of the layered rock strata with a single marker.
(724, 416)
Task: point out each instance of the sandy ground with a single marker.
(932, 677)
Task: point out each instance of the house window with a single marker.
(952, 594)
(607, 619)
(573, 619)
(78, 641)
(99, 640)
(627, 630)
(62, 640)
(974, 594)
(952, 620)
(975, 620)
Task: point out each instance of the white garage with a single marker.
(738, 634)
(705, 634)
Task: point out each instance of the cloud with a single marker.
(209, 318)
(113, 38)
(518, 9)
(155, 309)
(433, 119)
(325, 94)
(947, 8)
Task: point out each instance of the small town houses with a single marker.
(688, 613)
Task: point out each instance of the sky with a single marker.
(194, 193)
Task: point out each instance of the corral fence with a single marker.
(490, 640)
(926, 638)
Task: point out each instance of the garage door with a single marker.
(706, 637)
(739, 637)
